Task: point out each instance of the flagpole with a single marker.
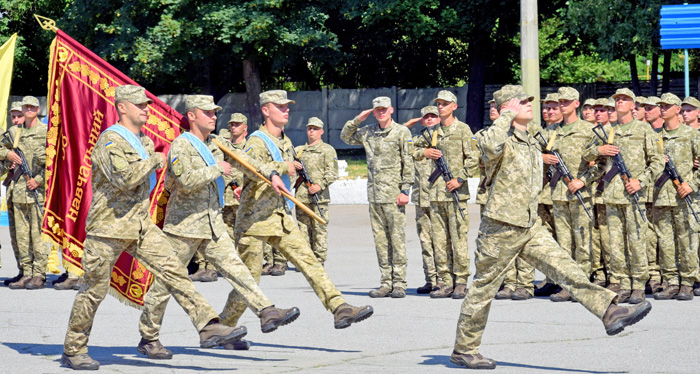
(251, 168)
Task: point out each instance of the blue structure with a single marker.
(680, 29)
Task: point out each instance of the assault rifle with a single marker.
(306, 179)
(619, 167)
(441, 168)
(22, 170)
(670, 172)
(561, 171)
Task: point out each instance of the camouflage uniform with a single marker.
(321, 162)
(637, 143)
(678, 261)
(31, 250)
(389, 172)
(510, 229)
(421, 198)
(652, 239)
(448, 227)
(194, 223)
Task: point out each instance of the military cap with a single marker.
(610, 103)
(446, 95)
(602, 102)
(590, 102)
(203, 102)
(132, 94)
(511, 91)
(568, 93)
(651, 100)
(623, 92)
(430, 109)
(669, 98)
(492, 101)
(381, 102)
(551, 98)
(275, 97)
(692, 101)
(16, 106)
(640, 100)
(30, 100)
(315, 122)
(238, 117)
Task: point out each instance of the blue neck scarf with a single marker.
(209, 159)
(276, 156)
(134, 142)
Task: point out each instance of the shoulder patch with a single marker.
(175, 160)
(110, 144)
(248, 150)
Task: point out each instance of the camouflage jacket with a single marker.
(570, 146)
(481, 193)
(637, 144)
(321, 162)
(120, 187)
(420, 195)
(455, 143)
(390, 168)
(262, 212)
(236, 174)
(682, 146)
(32, 142)
(513, 165)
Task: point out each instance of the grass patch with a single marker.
(357, 162)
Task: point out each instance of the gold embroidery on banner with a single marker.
(116, 278)
(62, 54)
(135, 291)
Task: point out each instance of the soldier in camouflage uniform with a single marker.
(638, 110)
(196, 179)
(390, 174)
(421, 198)
(452, 140)
(123, 175)
(17, 119)
(690, 109)
(266, 216)
(672, 218)
(510, 229)
(321, 163)
(33, 251)
(587, 112)
(636, 142)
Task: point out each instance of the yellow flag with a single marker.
(7, 58)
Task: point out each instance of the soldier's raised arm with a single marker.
(492, 140)
(350, 134)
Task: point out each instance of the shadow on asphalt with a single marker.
(253, 344)
(445, 361)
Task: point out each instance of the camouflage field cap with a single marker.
(568, 93)
(275, 97)
(315, 122)
(623, 92)
(640, 100)
(430, 109)
(601, 102)
(203, 102)
(238, 117)
(651, 100)
(590, 102)
(446, 95)
(511, 91)
(16, 106)
(225, 133)
(610, 103)
(381, 102)
(692, 102)
(30, 100)
(551, 98)
(132, 94)
(669, 98)
(492, 101)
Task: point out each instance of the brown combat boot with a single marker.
(238, 345)
(68, 284)
(209, 275)
(153, 349)
(21, 283)
(13, 279)
(36, 283)
(80, 362)
(520, 294)
(636, 297)
(382, 291)
(503, 294)
(686, 293)
(398, 293)
(600, 282)
(614, 287)
(266, 269)
(442, 292)
(476, 361)
(346, 314)
(560, 296)
(278, 270)
(652, 287)
(460, 291)
(616, 318)
(197, 276)
(668, 293)
(424, 289)
(623, 296)
(271, 318)
(216, 333)
(696, 289)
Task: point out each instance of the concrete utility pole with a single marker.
(529, 54)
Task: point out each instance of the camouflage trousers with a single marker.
(220, 253)
(33, 251)
(628, 257)
(677, 259)
(520, 275)
(426, 244)
(600, 247)
(388, 227)
(154, 251)
(316, 234)
(294, 247)
(544, 211)
(450, 241)
(573, 229)
(652, 246)
(497, 246)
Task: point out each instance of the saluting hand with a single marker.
(364, 114)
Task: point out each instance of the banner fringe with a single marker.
(123, 299)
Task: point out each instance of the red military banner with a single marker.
(81, 106)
